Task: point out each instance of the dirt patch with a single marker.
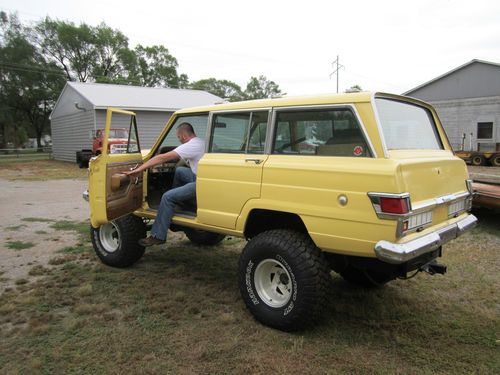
(29, 208)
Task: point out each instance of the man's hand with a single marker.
(133, 173)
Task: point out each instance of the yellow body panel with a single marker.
(98, 173)
(224, 184)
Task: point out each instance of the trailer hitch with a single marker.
(433, 267)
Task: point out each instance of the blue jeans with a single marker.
(183, 189)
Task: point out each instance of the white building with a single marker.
(81, 108)
(467, 100)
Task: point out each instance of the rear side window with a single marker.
(407, 126)
(325, 132)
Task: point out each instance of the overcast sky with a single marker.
(383, 45)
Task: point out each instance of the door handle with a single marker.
(256, 161)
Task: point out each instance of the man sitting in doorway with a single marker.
(183, 189)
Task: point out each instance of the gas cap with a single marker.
(342, 200)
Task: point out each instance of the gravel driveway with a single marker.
(24, 205)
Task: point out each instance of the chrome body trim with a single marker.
(379, 125)
(397, 253)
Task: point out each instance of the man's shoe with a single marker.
(150, 241)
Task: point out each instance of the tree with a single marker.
(29, 84)
(71, 47)
(222, 88)
(355, 88)
(261, 87)
(156, 67)
(112, 54)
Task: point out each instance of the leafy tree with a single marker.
(222, 88)
(71, 47)
(156, 67)
(29, 84)
(261, 87)
(355, 88)
(112, 54)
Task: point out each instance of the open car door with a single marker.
(111, 193)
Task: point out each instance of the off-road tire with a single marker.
(477, 160)
(202, 237)
(125, 251)
(365, 278)
(307, 275)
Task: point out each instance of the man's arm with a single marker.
(158, 159)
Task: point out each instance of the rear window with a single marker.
(406, 126)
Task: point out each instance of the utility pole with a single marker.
(337, 66)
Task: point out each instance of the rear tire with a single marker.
(495, 160)
(202, 237)
(284, 279)
(478, 160)
(116, 243)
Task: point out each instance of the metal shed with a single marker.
(81, 108)
(467, 100)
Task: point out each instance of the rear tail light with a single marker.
(390, 206)
(397, 206)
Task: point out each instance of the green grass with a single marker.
(36, 220)
(23, 158)
(15, 228)
(39, 170)
(179, 311)
(67, 225)
(19, 245)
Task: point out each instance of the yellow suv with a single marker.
(365, 184)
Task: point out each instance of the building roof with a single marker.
(102, 95)
(474, 61)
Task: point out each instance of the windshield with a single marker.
(407, 126)
(118, 133)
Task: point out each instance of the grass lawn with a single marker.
(179, 311)
(40, 170)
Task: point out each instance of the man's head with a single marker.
(185, 132)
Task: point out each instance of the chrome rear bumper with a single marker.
(396, 253)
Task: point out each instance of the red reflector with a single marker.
(394, 205)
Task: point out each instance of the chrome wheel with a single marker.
(109, 236)
(273, 283)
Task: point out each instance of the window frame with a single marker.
(209, 138)
(325, 107)
(492, 130)
(441, 136)
(156, 150)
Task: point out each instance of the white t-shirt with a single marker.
(192, 151)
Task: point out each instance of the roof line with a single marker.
(450, 72)
(138, 108)
(71, 84)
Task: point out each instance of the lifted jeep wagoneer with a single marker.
(363, 184)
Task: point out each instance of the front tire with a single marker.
(284, 279)
(116, 242)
